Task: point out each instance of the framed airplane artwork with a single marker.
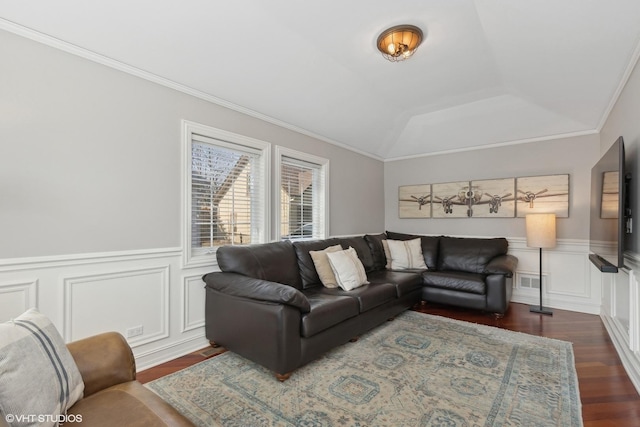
(414, 201)
(543, 194)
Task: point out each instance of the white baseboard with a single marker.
(630, 360)
(161, 354)
(558, 304)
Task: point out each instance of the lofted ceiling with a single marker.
(489, 72)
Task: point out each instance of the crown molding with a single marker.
(497, 145)
(626, 75)
(154, 78)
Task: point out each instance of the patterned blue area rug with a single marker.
(419, 370)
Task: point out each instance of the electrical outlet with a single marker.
(135, 331)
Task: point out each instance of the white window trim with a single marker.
(299, 155)
(189, 129)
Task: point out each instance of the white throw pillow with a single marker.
(348, 269)
(323, 268)
(406, 254)
(39, 375)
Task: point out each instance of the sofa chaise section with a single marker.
(472, 273)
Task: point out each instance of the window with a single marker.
(302, 183)
(226, 200)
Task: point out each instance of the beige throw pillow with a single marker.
(387, 254)
(406, 254)
(323, 268)
(348, 269)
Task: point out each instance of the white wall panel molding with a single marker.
(13, 264)
(115, 291)
(634, 313)
(566, 282)
(193, 295)
(630, 360)
(17, 297)
(120, 300)
(621, 312)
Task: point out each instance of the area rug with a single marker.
(418, 370)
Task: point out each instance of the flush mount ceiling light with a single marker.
(400, 42)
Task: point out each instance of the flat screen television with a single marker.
(610, 217)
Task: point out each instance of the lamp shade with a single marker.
(541, 230)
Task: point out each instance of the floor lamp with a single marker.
(541, 233)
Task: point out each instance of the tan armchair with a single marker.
(112, 396)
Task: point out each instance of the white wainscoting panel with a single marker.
(193, 295)
(87, 294)
(621, 313)
(16, 298)
(90, 293)
(118, 300)
(566, 282)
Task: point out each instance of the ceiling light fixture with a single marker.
(400, 42)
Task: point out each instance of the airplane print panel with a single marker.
(452, 199)
(543, 194)
(494, 198)
(414, 201)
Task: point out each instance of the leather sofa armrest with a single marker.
(503, 264)
(257, 289)
(103, 360)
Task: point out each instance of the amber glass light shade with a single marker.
(400, 42)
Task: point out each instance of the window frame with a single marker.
(323, 163)
(227, 140)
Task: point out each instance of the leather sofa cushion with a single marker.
(377, 251)
(429, 246)
(456, 280)
(368, 296)
(405, 282)
(130, 404)
(260, 290)
(308, 273)
(470, 255)
(326, 311)
(275, 262)
(362, 249)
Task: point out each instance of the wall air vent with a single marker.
(528, 281)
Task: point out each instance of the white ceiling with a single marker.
(489, 71)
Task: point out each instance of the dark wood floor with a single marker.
(608, 396)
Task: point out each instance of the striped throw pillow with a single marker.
(406, 254)
(39, 375)
(348, 269)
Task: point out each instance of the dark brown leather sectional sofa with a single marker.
(268, 304)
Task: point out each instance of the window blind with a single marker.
(301, 199)
(225, 194)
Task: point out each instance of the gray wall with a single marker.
(90, 157)
(625, 120)
(574, 156)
